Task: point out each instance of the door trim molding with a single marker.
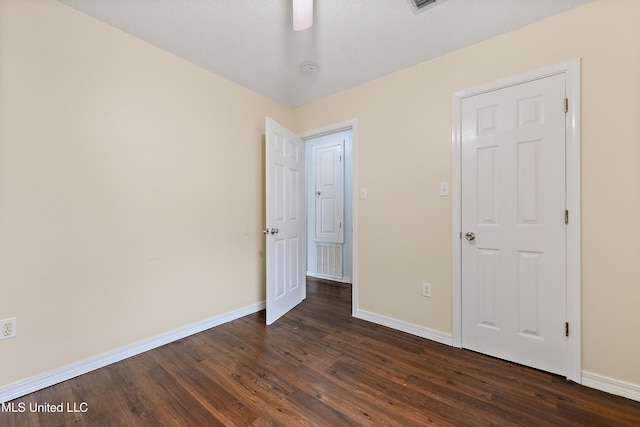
(333, 128)
(571, 70)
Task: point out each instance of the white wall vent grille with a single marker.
(329, 260)
(421, 5)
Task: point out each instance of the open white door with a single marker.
(285, 220)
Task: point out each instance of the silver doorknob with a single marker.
(274, 231)
(265, 231)
(318, 193)
(470, 236)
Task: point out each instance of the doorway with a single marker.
(285, 210)
(350, 196)
(329, 205)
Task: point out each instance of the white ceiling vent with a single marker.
(422, 5)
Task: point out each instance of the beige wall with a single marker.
(120, 165)
(404, 143)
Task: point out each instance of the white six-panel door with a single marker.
(328, 181)
(285, 220)
(513, 225)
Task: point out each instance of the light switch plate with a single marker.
(444, 189)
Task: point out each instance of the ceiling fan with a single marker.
(302, 14)
(303, 11)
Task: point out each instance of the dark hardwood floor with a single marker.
(317, 366)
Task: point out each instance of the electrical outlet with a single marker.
(426, 290)
(7, 328)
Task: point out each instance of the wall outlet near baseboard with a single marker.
(426, 289)
(7, 328)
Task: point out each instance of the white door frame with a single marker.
(571, 69)
(333, 128)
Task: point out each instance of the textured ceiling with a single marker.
(252, 42)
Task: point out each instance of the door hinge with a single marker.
(461, 235)
(566, 216)
(566, 105)
(566, 329)
(340, 224)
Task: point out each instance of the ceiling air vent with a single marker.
(422, 5)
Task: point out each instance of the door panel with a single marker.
(529, 182)
(513, 201)
(488, 272)
(530, 290)
(285, 223)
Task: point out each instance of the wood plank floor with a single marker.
(317, 366)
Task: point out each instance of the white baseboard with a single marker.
(410, 328)
(38, 382)
(344, 279)
(598, 382)
(610, 385)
